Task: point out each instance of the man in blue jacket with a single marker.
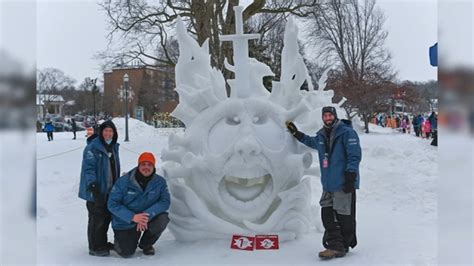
(417, 125)
(434, 128)
(139, 202)
(100, 170)
(49, 129)
(339, 153)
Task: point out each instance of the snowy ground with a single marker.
(396, 212)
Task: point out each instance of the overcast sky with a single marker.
(69, 33)
(17, 34)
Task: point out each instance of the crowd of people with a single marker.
(422, 126)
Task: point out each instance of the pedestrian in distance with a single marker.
(49, 129)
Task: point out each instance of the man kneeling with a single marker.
(138, 203)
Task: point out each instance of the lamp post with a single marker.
(91, 83)
(94, 91)
(125, 86)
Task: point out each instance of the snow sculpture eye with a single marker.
(269, 133)
(259, 120)
(235, 120)
(223, 134)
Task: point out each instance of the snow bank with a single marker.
(136, 128)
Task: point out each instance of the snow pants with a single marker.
(126, 240)
(338, 213)
(99, 221)
(434, 134)
(417, 131)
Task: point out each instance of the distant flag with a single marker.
(434, 55)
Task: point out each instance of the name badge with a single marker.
(325, 161)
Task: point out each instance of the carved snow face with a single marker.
(244, 159)
(236, 169)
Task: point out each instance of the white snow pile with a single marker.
(135, 127)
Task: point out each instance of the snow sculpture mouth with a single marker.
(246, 192)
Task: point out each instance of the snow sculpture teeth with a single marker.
(236, 170)
(248, 182)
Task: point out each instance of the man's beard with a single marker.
(329, 123)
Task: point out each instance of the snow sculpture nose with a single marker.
(247, 146)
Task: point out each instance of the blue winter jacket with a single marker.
(344, 154)
(96, 168)
(417, 121)
(434, 122)
(127, 198)
(49, 127)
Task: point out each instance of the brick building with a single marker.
(150, 88)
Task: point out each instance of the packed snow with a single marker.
(396, 206)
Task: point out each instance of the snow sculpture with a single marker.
(236, 170)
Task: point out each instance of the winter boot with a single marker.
(110, 246)
(99, 253)
(149, 251)
(329, 254)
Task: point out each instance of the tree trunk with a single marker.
(201, 13)
(366, 122)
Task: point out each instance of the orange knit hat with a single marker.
(147, 157)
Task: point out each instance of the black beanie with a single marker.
(329, 109)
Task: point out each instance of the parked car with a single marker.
(58, 126)
(79, 118)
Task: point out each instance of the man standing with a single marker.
(434, 128)
(339, 153)
(139, 202)
(417, 123)
(49, 129)
(73, 127)
(100, 170)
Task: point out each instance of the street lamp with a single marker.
(94, 91)
(92, 84)
(125, 86)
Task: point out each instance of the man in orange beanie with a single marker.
(139, 202)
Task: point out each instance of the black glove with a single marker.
(291, 127)
(294, 130)
(349, 185)
(99, 199)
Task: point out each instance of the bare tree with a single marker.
(142, 26)
(50, 81)
(267, 49)
(366, 98)
(350, 33)
(429, 94)
(82, 98)
(408, 94)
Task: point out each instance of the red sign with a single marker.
(243, 242)
(266, 242)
